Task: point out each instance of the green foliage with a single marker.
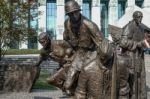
(22, 51)
(15, 17)
(41, 82)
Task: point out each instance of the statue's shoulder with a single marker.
(44, 52)
(89, 24)
(130, 24)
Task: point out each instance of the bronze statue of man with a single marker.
(132, 43)
(83, 36)
(96, 78)
(60, 52)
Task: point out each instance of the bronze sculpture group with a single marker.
(93, 68)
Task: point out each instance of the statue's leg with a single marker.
(142, 83)
(73, 72)
(131, 81)
(58, 78)
(123, 74)
(71, 77)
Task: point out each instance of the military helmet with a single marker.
(71, 6)
(137, 14)
(105, 50)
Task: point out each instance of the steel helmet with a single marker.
(71, 6)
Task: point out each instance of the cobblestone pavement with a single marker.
(57, 94)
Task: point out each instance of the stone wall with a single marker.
(18, 77)
(18, 73)
(48, 65)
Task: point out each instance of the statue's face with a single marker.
(43, 42)
(138, 18)
(74, 16)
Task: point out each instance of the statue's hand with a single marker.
(146, 44)
(147, 37)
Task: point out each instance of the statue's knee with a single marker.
(50, 80)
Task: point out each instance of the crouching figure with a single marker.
(58, 51)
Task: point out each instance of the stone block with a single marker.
(19, 77)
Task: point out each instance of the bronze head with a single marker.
(105, 51)
(44, 39)
(72, 9)
(71, 6)
(137, 16)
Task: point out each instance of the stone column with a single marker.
(146, 5)
(42, 18)
(96, 15)
(113, 11)
(60, 19)
(130, 3)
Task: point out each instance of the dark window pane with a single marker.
(51, 18)
(139, 3)
(104, 18)
(121, 8)
(86, 8)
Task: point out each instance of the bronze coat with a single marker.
(83, 37)
(132, 42)
(94, 83)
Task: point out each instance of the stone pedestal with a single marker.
(17, 77)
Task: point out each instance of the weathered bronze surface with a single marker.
(58, 51)
(132, 43)
(83, 36)
(95, 78)
(18, 77)
(100, 80)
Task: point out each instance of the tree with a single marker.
(15, 18)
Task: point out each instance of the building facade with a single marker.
(102, 12)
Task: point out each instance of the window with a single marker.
(139, 3)
(66, 1)
(86, 8)
(104, 18)
(121, 8)
(51, 18)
